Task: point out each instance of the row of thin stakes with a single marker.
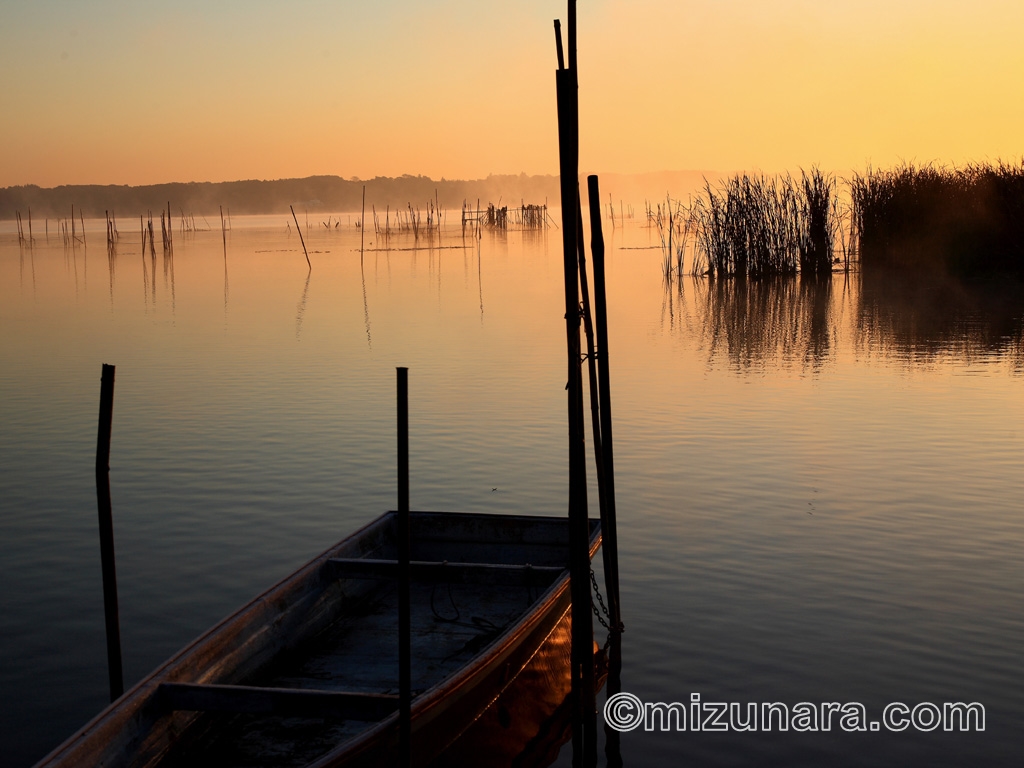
(410, 220)
(166, 233)
(70, 237)
(527, 216)
(72, 230)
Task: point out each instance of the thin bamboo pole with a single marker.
(301, 239)
(591, 356)
(582, 664)
(609, 544)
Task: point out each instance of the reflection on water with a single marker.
(751, 322)
(366, 305)
(851, 534)
(530, 722)
(922, 316)
(804, 322)
(300, 308)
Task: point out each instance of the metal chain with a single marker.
(600, 599)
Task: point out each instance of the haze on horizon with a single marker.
(113, 92)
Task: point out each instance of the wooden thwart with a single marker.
(446, 572)
(287, 702)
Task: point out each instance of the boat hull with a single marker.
(329, 626)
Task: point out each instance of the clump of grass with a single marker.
(968, 221)
(818, 222)
(674, 224)
(743, 228)
(758, 227)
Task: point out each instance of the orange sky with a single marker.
(114, 92)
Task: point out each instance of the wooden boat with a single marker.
(307, 673)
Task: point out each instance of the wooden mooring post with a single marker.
(404, 623)
(107, 533)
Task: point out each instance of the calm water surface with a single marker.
(819, 485)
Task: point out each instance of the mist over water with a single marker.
(818, 483)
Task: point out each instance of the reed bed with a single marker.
(967, 221)
(754, 226)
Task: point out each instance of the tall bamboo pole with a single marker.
(609, 546)
(582, 664)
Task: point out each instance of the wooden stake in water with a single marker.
(107, 533)
(301, 240)
(223, 229)
(404, 623)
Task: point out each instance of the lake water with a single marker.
(819, 486)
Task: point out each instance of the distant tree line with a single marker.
(324, 193)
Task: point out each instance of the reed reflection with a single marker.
(915, 316)
(751, 322)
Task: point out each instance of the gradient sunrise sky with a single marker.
(119, 92)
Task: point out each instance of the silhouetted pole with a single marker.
(404, 634)
(591, 356)
(224, 231)
(582, 664)
(609, 545)
(301, 239)
(610, 541)
(107, 532)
